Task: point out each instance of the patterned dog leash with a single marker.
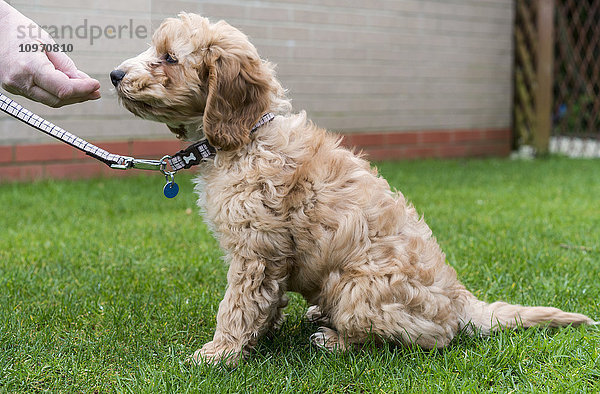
(186, 158)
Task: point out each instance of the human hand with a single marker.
(48, 77)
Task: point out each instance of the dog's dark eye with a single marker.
(170, 59)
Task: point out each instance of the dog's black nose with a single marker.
(116, 76)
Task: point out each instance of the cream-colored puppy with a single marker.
(294, 211)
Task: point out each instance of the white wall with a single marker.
(378, 65)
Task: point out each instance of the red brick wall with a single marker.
(59, 161)
(433, 144)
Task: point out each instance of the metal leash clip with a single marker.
(140, 164)
(170, 189)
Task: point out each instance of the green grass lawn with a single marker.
(105, 285)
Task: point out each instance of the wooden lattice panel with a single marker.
(525, 71)
(577, 69)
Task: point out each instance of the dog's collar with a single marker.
(202, 150)
(266, 118)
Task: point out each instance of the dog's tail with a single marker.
(485, 318)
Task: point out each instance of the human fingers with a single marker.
(38, 94)
(51, 100)
(65, 64)
(83, 75)
(60, 85)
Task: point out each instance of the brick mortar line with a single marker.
(421, 135)
(441, 145)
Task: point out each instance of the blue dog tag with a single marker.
(171, 189)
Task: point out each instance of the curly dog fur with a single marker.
(295, 211)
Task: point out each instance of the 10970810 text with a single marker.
(45, 47)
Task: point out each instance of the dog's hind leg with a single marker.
(328, 339)
(315, 315)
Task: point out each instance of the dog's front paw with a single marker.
(211, 353)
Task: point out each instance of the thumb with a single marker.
(63, 63)
(82, 75)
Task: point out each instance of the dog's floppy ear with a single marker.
(238, 95)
